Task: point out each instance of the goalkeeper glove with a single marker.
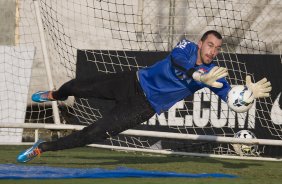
(211, 78)
(260, 89)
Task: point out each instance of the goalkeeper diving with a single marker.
(139, 95)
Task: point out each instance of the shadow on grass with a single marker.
(89, 157)
(132, 158)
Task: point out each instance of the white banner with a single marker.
(15, 74)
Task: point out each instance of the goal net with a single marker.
(86, 38)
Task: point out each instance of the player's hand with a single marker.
(260, 89)
(211, 78)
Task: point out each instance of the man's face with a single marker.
(209, 48)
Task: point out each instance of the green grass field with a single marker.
(248, 171)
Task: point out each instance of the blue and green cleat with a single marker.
(41, 96)
(30, 153)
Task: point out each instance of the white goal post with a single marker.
(56, 40)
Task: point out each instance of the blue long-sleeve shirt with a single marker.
(167, 81)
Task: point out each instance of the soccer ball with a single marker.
(240, 98)
(244, 149)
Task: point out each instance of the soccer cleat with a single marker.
(41, 96)
(30, 153)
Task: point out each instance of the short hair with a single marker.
(213, 32)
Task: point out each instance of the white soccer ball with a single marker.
(240, 98)
(244, 149)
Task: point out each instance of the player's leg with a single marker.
(104, 86)
(123, 116)
(129, 112)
